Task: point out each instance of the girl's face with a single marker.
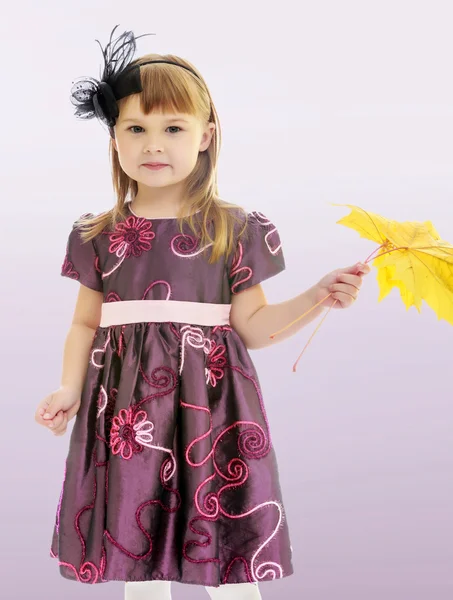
(174, 139)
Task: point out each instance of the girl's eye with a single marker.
(138, 127)
(174, 127)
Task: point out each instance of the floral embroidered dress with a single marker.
(170, 473)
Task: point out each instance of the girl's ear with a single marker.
(207, 137)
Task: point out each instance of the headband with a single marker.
(98, 98)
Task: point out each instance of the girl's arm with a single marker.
(87, 316)
(255, 320)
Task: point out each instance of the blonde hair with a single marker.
(170, 88)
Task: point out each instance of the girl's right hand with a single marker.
(60, 406)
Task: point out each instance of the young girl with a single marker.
(171, 474)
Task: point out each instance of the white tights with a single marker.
(161, 590)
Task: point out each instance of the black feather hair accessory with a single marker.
(98, 98)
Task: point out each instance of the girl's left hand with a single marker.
(342, 284)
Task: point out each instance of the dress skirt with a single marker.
(170, 473)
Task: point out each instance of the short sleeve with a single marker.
(259, 254)
(81, 261)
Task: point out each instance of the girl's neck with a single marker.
(161, 203)
(145, 211)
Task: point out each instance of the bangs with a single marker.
(168, 88)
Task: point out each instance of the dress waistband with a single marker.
(163, 311)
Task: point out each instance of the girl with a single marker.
(170, 473)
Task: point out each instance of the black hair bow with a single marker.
(94, 98)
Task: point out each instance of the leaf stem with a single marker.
(367, 260)
(382, 253)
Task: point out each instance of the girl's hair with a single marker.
(170, 88)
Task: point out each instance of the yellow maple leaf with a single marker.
(412, 258)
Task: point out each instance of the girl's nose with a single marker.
(153, 143)
(153, 148)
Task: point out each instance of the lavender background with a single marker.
(319, 102)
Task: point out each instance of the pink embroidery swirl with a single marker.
(194, 336)
(161, 282)
(236, 269)
(100, 351)
(88, 572)
(216, 361)
(102, 401)
(272, 237)
(68, 269)
(186, 246)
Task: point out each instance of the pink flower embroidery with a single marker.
(216, 362)
(132, 236)
(130, 432)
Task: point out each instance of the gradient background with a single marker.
(319, 102)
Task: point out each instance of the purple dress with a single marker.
(170, 473)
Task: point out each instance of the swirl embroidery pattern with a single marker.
(272, 237)
(68, 269)
(253, 443)
(239, 273)
(236, 268)
(187, 246)
(216, 362)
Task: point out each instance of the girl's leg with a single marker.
(235, 591)
(147, 590)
